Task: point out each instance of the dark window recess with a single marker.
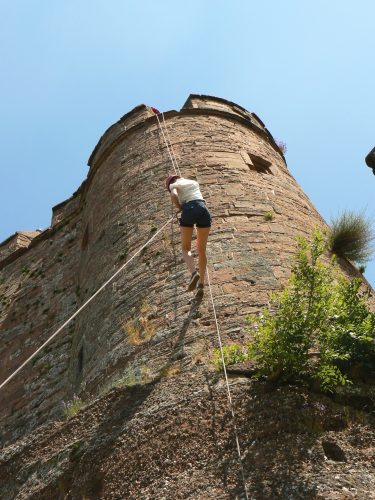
(80, 360)
(85, 239)
(260, 164)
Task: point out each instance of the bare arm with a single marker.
(174, 198)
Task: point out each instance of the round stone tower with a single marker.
(146, 318)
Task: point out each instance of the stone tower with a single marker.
(145, 327)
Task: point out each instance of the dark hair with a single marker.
(171, 179)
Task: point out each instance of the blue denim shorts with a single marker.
(195, 212)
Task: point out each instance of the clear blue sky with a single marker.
(69, 69)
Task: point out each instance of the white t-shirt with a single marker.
(187, 190)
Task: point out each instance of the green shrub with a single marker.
(233, 354)
(318, 310)
(350, 236)
(73, 407)
(268, 215)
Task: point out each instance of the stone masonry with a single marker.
(145, 324)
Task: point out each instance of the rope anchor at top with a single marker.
(169, 146)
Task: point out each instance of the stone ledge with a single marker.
(43, 235)
(20, 240)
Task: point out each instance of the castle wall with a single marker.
(18, 240)
(37, 293)
(66, 209)
(145, 323)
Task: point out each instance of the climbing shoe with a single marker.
(193, 281)
(200, 289)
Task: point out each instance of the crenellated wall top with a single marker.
(195, 104)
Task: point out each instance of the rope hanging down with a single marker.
(170, 143)
(175, 167)
(228, 388)
(231, 407)
(82, 306)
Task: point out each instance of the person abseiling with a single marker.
(187, 197)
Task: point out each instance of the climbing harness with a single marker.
(176, 168)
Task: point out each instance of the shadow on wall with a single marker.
(84, 476)
(178, 348)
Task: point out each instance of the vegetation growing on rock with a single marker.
(319, 328)
(351, 236)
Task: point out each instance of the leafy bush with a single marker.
(318, 311)
(351, 236)
(233, 354)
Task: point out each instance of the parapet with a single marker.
(135, 117)
(196, 101)
(18, 240)
(66, 208)
(202, 104)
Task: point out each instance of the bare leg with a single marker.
(202, 236)
(186, 236)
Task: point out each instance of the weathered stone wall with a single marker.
(145, 324)
(66, 209)
(37, 292)
(18, 240)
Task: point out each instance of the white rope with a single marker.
(228, 388)
(82, 307)
(176, 169)
(170, 143)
